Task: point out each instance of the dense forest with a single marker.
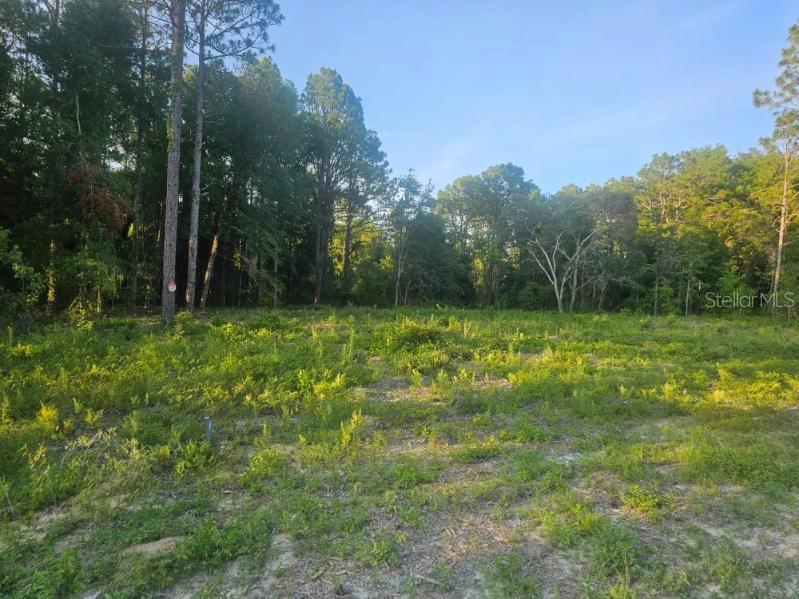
(152, 148)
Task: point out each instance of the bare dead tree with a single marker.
(561, 266)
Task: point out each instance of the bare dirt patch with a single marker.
(155, 547)
(38, 529)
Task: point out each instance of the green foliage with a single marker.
(646, 502)
(297, 192)
(209, 546)
(406, 475)
(267, 462)
(191, 457)
(607, 437)
(486, 450)
(60, 576)
(19, 291)
(409, 334)
(380, 552)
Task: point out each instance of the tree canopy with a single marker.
(299, 204)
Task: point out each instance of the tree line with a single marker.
(152, 153)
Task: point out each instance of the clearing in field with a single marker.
(400, 453)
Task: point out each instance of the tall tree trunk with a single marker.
(191, 277)
(51, 278)
(177, 16)
(139, 176)
(318, 265)
(274, 276)
(209, 269)
(320, 247)
(657, 280)
(241, 274)
(54, 12)
(346, 271)
(573, 289)
(157, 265)
(54, 16)
(399, 272)
(224, 284)
(495, 290)
(775, 287)
(488, 282)
(688, 290)
(397, 287)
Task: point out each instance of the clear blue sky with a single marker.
(576, 92)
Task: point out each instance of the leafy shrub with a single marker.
(350, 431)
(267, 462)
(20, 284)
(546, 475)
(408, 334)
(59, 576)
(488, 448)
(617, 551)
(380, 552)
(191, 457)
(266, 320)
(646, 502)
(209, 546)
(406, 475)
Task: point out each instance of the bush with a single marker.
(20, 284)
(408, 334)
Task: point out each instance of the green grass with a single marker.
(417, 452)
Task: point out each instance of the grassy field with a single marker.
(412, 453)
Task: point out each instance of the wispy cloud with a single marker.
(648, 115)
(448, 162)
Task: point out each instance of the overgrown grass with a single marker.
(370, 436)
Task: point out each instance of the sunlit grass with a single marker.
(369, 435)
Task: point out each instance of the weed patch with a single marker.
(413, 451)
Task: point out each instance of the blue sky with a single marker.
(575, 92)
